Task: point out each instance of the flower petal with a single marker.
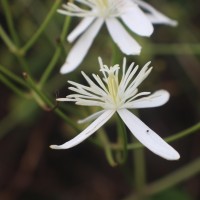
(122, 38)
(82, 26)
(154, 15)
(137, 21)
(147, 136)
(81, 47)
(91, 117)
(102, 119)
(158, 98)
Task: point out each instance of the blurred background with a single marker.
(29, 169)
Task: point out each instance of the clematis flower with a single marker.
(137, 15)
(116, 95)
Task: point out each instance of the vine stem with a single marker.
(170, 180)
(137, 145)
(44, 101)
(10, 23)
(10, 85)
(11, 46)
(139, 171)
(56, 55)
(42, 27)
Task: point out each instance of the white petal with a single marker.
(102, 119)
(147, 136)
(122, 38)
(81, 47)
(82, 26)
(154, 15)
(158, 98)
(137, 21)
(61, 99)
(91, 117)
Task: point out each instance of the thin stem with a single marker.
(11, 46)
(50, 67)
(9, 20)
(44, 101)
(12, 76)
(106, 146)
(42, 27)
(172, 49)
(57, 53)
(170, 180)
(186, 132)
(10, 85)
(193, 129)
(122, 138)
(139, 171)
(23, 63)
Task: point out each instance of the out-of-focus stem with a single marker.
(11, 46)
(170, 180)
(193, 129)
(57, 53)
(139, 172)
(12, 76)
(10, 85)
(9, 20)
(40, 30)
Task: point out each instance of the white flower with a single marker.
(115, 95)
(137, 15)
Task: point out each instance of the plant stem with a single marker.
(11, 46)
(122, 138)
(193, 129)
(40, 97)
(139, 171)
(42, 27)
(13, 76)
(9, 20)
(56, 55)
(170, 180)
(12, 87)
(106, 146)
(172, 49)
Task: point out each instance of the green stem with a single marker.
(172, 49)
(9, 20)
(12, 87)
(122, 138)
(50, 67)
(56, 55)
(106, 146)
(170, 180)
(13, 76)
(139, 171)
(40, 97)
(193, 129)
(11, 46)
(42, 27)
(23, 63)
(13, 49)
(186, 132)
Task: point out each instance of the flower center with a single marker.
(108, 8)
(112, 83)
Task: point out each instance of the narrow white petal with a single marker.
(82, 26)
(81, 47)
(122, 38)
(61, 99)
(154, 15)
(158, 98)
(147, 136)
(91, 117)
(94, 126)
(137, 21)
